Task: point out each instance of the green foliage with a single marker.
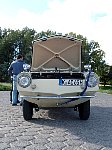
(3, 72)
(105, 89)
(27, 37)
(13, 42)
(91, 54)
(5, 86)
(106, 75)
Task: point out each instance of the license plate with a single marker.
(70, 82)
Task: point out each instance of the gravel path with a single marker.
(58, 129)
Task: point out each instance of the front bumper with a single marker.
(56, 101)
(55, 97)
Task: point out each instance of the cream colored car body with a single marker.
(54, 59)
(48, 93)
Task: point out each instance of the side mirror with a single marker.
(26, 67)
(87, 67)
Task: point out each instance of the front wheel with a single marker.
(27, 110)
(84, 110)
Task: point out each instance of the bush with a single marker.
(5, 86)
(105, 89)
(4, 77)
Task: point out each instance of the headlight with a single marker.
(24, 80)
(93, 80)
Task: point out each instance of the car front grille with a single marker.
(57, 75)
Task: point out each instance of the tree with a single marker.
(110, 75)
(91, 54)
(104, 76)
(44, 34)
(13, 42)
(25, 44)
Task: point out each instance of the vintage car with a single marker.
(56, 78)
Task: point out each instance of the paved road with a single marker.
(56, 130)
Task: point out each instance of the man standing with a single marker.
(15, 68)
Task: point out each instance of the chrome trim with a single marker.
(55, 97)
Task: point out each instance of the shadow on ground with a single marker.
(96, 130)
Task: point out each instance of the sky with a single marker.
(90, 18)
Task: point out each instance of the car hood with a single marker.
(58, 52)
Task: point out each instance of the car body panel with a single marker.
(56, 56)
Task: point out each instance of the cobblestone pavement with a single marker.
(56, 130)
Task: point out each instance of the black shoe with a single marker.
(21, 103)
(14, 104)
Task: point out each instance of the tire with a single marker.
(27, 110)
(84, 110)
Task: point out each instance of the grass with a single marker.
(105, 89)
(5, 86)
